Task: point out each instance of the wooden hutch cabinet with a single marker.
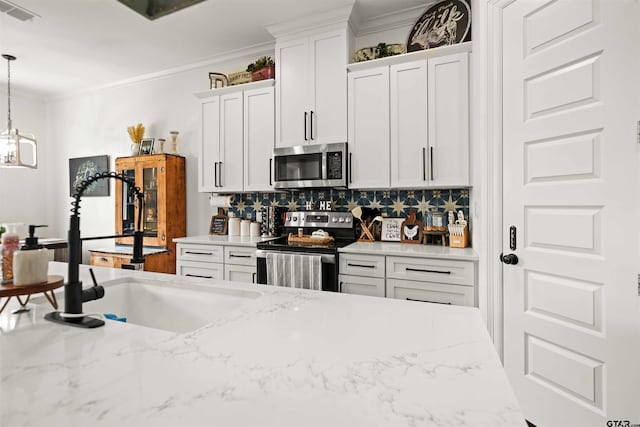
(162, 179)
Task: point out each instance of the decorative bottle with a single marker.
(10, 244)
(31, 262)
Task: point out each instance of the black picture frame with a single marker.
(146, 146)
(81, 168)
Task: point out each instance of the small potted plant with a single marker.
(263, 68)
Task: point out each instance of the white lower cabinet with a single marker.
(362, 274)
(434, 280)
(235, 263)
(440, 293)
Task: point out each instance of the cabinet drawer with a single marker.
(192, 252)
(430, 292)
(104, 260)
(240, 273)
(431, 270)
(359, 285)
(240, 255)
(362, 265)
(204, 270)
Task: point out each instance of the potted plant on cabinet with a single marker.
(263, 68)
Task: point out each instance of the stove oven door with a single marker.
(329, 267)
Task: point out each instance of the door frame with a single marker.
(487, 165)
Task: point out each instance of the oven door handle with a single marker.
(325, 258)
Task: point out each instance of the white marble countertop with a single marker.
(410, 249)
(290, 357)
(214, 239)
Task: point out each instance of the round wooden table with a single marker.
(9, 290)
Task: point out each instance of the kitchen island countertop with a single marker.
(289, 357)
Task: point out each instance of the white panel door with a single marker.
(408, 109)
(448, 154)
(209, 145)
(231, 140)
(293, 74)
(328, 112)
(368, 104)
(571, 304)
(259, 138)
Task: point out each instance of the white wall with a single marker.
(95, 123)
(23, 191)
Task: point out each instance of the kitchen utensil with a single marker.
(366, 234)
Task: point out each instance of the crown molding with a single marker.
(309, 22)
(389, 21)
(263, 49)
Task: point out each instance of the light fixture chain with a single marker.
(9, 95)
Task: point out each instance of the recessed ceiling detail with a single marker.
(16, 11)
(152, 9)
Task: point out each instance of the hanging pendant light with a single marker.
(13, 145)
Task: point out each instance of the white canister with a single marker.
(255, 229)
(245, 224)
(234, 226)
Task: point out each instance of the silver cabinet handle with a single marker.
(420, 270)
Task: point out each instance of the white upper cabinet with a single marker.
(368, 141)
(209, 145)
(259, 138)
(408, 108)
(311, 89)
(449, 120)
(231, 140)
(237, 138)
(416, 119)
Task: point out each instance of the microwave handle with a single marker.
(305, 126)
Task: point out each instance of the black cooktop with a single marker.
(282, 244)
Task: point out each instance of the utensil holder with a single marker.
(458, 236)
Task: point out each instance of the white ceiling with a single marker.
(79, 44)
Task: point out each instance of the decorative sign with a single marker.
(82, 168)
(391, 229)
(219, 223)
(411, 229)
(445, 23)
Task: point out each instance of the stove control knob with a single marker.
(341, 219)
(334, 219)
(294, 219)
(347, 220)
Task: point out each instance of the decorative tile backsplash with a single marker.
(392, 203)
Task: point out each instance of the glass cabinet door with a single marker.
(128, 205)
(150, 215)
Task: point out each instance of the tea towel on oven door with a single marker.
(294, 271)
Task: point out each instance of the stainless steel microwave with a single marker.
(311, 166)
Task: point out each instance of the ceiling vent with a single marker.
(152, 9)
(16, 11)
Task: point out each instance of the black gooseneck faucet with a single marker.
(74, 295)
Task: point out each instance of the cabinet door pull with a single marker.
(253, 277)
(215, 174)
(424, 300)
(360, 265)
(305, 126)
(420, 270)
(350, 167)
(270, 171)
(311, 125)
(196, 275)
(198, 253)
(424, 164)
(220, 174)
(239, 256)
(431, 162)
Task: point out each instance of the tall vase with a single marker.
(174, 141)
(135, 148)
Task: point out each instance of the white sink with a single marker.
(168, 306)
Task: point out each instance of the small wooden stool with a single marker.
(434, 236)
(9, 290)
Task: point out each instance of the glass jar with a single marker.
(10, 244)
